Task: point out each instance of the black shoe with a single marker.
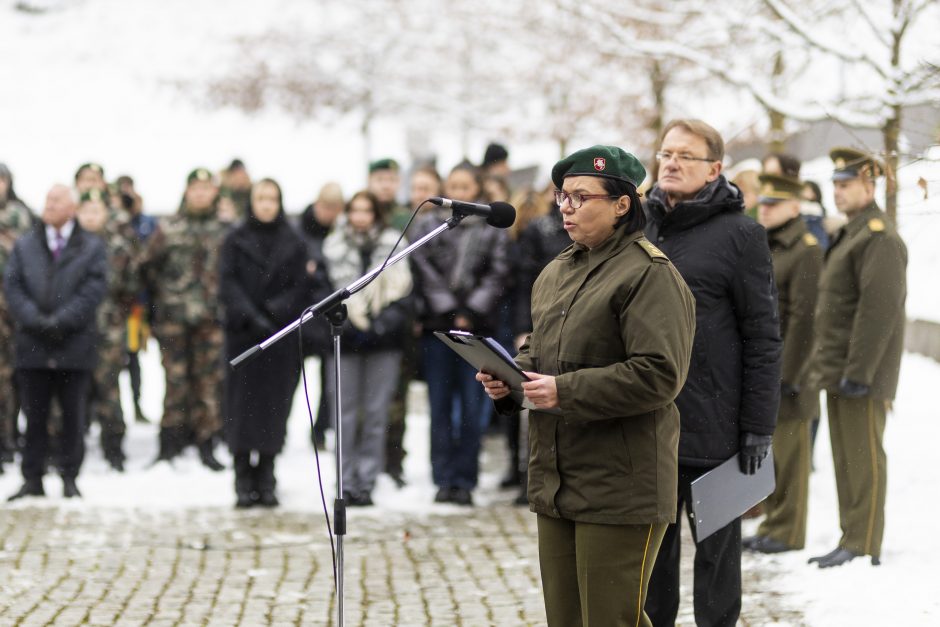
(364, 499)
(837, 557)
(69, 489)
(207, 456)
(763, 544)
(319, 439)
(399, 479)
(172, 442)
(443, 495)
(461, 496)
(31, 487)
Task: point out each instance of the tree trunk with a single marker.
(778, 135)
(892, 127)
(658, 81)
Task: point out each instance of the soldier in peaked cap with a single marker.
(603, 435)
(797, 260)
(859, 333)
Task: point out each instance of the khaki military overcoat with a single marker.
(614, 325)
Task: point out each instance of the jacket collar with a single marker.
(719, 196)
(860, 221)
(618, 240)
(788, 233)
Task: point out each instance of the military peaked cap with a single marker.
(775, 188)
(851, 163)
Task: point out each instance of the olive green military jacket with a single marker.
(798, 260)
(614, 325)
(859, 328)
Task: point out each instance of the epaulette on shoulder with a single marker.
(810, 240)
(654, 253)
(876, 225)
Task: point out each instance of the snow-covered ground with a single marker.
(902, 591)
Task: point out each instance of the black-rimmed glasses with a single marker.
(681, 157)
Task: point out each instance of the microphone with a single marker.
(499, 214)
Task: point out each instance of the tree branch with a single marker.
(864, 10)
(796, 24)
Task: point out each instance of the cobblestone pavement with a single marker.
(71, 565)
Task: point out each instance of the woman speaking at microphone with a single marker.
(612, 329)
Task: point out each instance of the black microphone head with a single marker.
(502, 215)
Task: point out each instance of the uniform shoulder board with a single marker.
(876, 225)
(810, 240)
(651, 250)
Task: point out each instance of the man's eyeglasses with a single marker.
(681, 157)
(575, 199)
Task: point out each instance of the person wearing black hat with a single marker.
(859, 338)
(797, 259)
(495, 161)
(612, 328)
(180, 267)
(54, 281)
(730, 399)
(263, 287)
(15, 220)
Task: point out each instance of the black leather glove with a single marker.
(754, 449)
(851, 389)
(789, 390)
(262, 325)
(49, 328)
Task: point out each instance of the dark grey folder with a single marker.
(725, 493)
(487, 355)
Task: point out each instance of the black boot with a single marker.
(172, 442)
(138, 414)
(31, 487)
(265, 482)
(111, 444)
(207, 455)
(244, 482)
(69, 489)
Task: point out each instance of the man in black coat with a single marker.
(729, 402)
(54, 282)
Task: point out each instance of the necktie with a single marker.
(59, 245)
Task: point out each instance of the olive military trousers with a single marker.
(787, 506)
(856, 428)
(596, 575)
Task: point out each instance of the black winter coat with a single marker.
(263, 287)
(463, 271)
(64, 292)
(733, 385)
(540, 242)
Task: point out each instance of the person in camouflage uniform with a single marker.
(180, 268)
(123, 284)
(15, 219)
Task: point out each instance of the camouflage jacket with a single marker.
(15, 219)
(123, 279)
(180, 268)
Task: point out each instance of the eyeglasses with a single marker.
(682, 157)
(575, 199)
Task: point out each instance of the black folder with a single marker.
(487, 355)
(725, 493)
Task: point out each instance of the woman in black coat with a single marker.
(263, 288)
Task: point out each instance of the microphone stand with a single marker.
(334, 309)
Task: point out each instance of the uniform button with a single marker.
(563, 312)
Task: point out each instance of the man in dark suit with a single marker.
(54, 281)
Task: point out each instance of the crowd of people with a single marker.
(91, 277)
(663, 329)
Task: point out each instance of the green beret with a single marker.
(383, 164)
(92, 195)
(774, 188)
(199, 174)
(605, 161)
(94, 167)
(851, 163)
